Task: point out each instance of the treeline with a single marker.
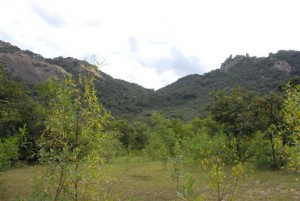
(241, 126)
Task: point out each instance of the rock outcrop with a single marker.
(33, 68)
(278, 64)
(281, 65)
(231, 62)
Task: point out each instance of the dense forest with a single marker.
(75, 122)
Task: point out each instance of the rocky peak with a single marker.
(27, 66)
(238, 60)
(7, 47)
(231, 62)
(282, 65)
(4, 44)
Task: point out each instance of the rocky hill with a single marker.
(27, 66)
(120, 97)
(187, 97)
(184, 98)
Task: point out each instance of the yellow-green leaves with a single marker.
(72, 141)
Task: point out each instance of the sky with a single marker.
(151, 42)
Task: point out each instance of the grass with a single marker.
(143, 179)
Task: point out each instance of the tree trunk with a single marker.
(273, 150)
(60, 184)
(237, 146)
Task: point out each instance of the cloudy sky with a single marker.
(151, 42)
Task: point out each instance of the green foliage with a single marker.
(72, 141)
(188, 194)
(17, 108)
(10, 151)
(293, 57)
(274, 129)
(11, 105)
(217, 146)
(10, 148)
(237, 112)
(293, 164)
(263, 153)
(157, 149)
(292, 118)
(165, 135)
(133, 136)
(222, 182)
(111, 146)
(183, 99)
(186, 97)
(177, 160)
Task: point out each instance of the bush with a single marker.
(293, 163)
(205, 146)
(263, 158)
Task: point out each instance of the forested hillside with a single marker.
(87, 136)
(121, 98)
(185, 98)
(188, 96)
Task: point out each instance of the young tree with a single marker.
(111, 146)
(164, 136)
(177, 160)
(291, 111)
(71, 142)
(222, 182)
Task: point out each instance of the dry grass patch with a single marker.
(143, 180)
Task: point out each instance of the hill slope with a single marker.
(120, 97)
(184, 98)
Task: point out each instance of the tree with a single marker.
(13, 104)
(236, 110)
(269, 111)
(71, 143)
(162, 139)
(10, 151)
(133, 135)
(224, 183)
(291, 110)
(111, 146)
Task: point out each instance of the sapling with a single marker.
(178, 159)
(71, 144)
(224, 183)
(187, 193)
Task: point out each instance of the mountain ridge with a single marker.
(184, 98)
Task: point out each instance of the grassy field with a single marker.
(143, 179)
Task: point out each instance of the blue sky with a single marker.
(152, 42)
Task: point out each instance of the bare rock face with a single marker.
(282, 65)
(33, 68)
(4, 44)
(275, 63)
(231, 62)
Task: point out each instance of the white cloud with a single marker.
(52, 19)
(137, 38)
